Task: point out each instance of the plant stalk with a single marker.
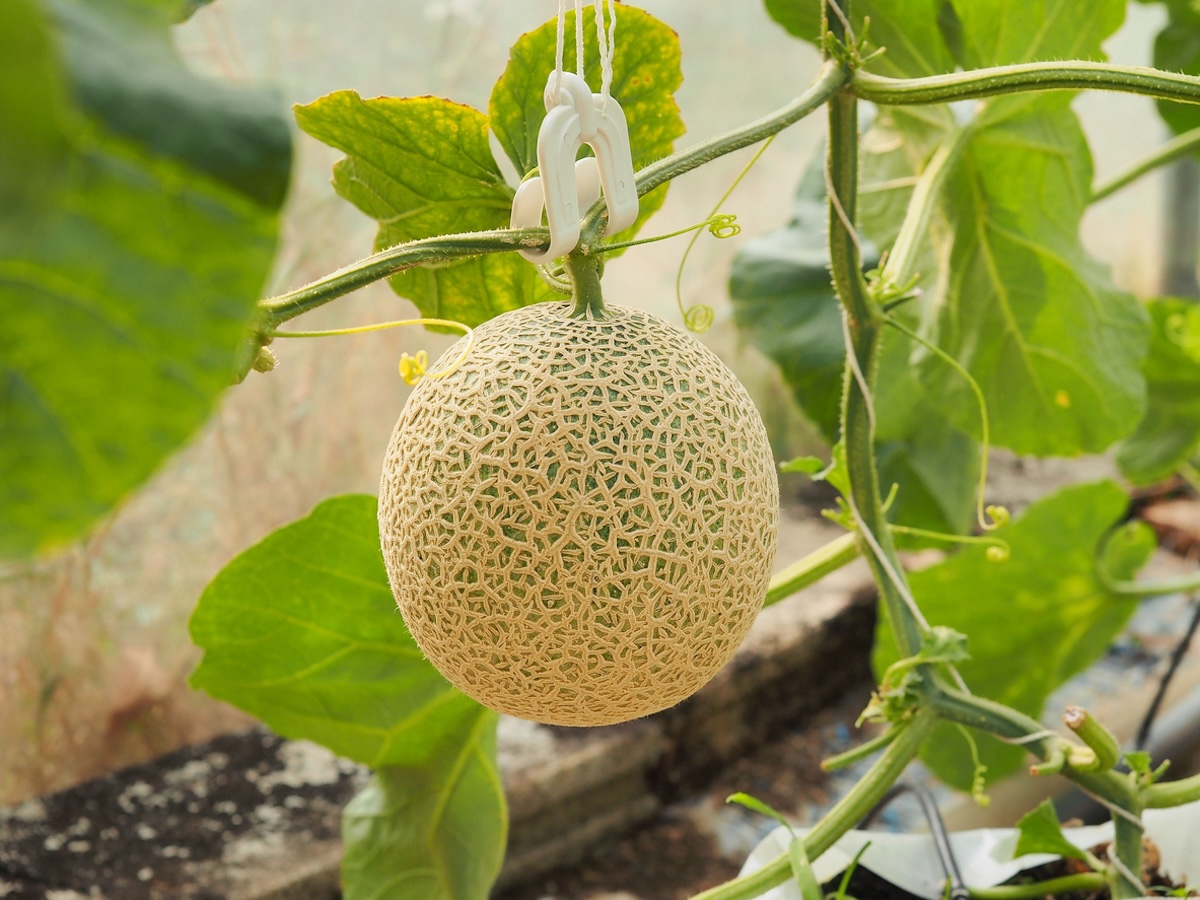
(1181, 145)
(813, 567)
(1172, 793)
(1073, 75)
(864, 326)
(1086, 882)
(279, 309)
(584, 272)
(845, 814)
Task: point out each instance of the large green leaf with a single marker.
(1000, 32)
(1169, 433)
(1035, 619)
(124, 298)
(301, 630)
(1055, 347)
(645, 75)
(421, 167)
(435, 832)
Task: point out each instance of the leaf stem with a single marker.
(1082, 882)
(279, 309)
(845, 814)
(1178, 146)
(813, 567)
(1026, 77)
(1172, 793)
(914, 230)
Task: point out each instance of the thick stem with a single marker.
(1172, 793)
(584, 272)
(1036, 76)
(1084, 882)
(845, 814)
(864, 325)
(1125, 879)
(814, 567)
(1009, 724)
(279, 309)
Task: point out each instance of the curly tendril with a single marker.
(412, 368)
(989, 518)
(998, 549)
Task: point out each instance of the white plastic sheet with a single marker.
(984, 855)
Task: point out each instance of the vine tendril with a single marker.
(699, 317)
(412, 368)
(989, 517)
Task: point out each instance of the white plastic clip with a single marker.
(566, 188)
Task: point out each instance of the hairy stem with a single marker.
(279, 309)
(845, 814)
(864, 326)
(1008, 724)
(584, 272)
(813, 567)
(1027, 77)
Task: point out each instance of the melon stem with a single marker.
(584, 272)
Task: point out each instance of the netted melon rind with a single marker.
(579, 523)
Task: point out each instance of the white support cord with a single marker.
(579, 39)
(605, 41)
(607, 44)
(560, 41)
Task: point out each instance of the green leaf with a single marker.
(1056, 349)
(1034, 620)
(1040, 832)
(301, 630)
(125, 296)
(124, 72)
(999, 32)
(422, 166)
(646, 74)
(430, 832)
(1169, 433)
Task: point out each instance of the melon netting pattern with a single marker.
(579, 523)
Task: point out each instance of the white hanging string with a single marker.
(558, 59)
(605, 40)
(579, 38)
(607, 44)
